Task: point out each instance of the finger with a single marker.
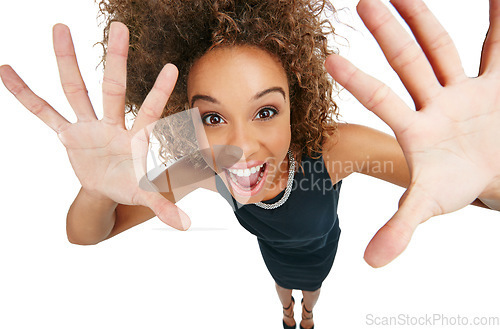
(433, 39)
(148, 195)
(401, 51)
(152, 108)
(115, 75)
(71, 79)
(165, 210)
(490, 56)
(32, 102)
(139, 147)
(393, 238)
(370, 92)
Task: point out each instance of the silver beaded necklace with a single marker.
(288, 189)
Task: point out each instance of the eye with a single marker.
(267, 113)
(212, 119)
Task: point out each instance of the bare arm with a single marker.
(90, 219)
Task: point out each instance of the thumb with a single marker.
(165, 210)
(415, 207)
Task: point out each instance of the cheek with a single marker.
(277, 137)
(216, 136)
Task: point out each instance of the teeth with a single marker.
(233, 178)
(246, 172)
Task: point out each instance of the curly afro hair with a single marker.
(181, 31)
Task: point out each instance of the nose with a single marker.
(245, 141)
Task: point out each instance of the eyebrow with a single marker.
(254, 98)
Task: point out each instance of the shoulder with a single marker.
(362, 149)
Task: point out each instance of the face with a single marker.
(242, 96)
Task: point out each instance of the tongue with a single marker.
(248, 181)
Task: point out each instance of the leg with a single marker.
(310, 299)
(285, 296)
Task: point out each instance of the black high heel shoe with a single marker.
(285, 326)
(304, 318)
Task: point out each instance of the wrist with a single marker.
(97, 198)
(492, 190)
(491, 194)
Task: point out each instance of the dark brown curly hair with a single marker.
(181, 31)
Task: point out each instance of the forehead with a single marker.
(236, 68)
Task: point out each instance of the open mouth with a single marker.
(247, 182)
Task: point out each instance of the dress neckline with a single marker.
(277, 197)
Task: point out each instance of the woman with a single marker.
(400, 230)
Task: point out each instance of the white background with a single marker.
(154, 276)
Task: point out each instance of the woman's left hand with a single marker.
(452, 142)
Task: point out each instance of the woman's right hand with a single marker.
(101, 151)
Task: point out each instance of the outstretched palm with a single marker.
(451, 142)
(102, 151)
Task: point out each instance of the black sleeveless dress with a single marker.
(299, 239)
